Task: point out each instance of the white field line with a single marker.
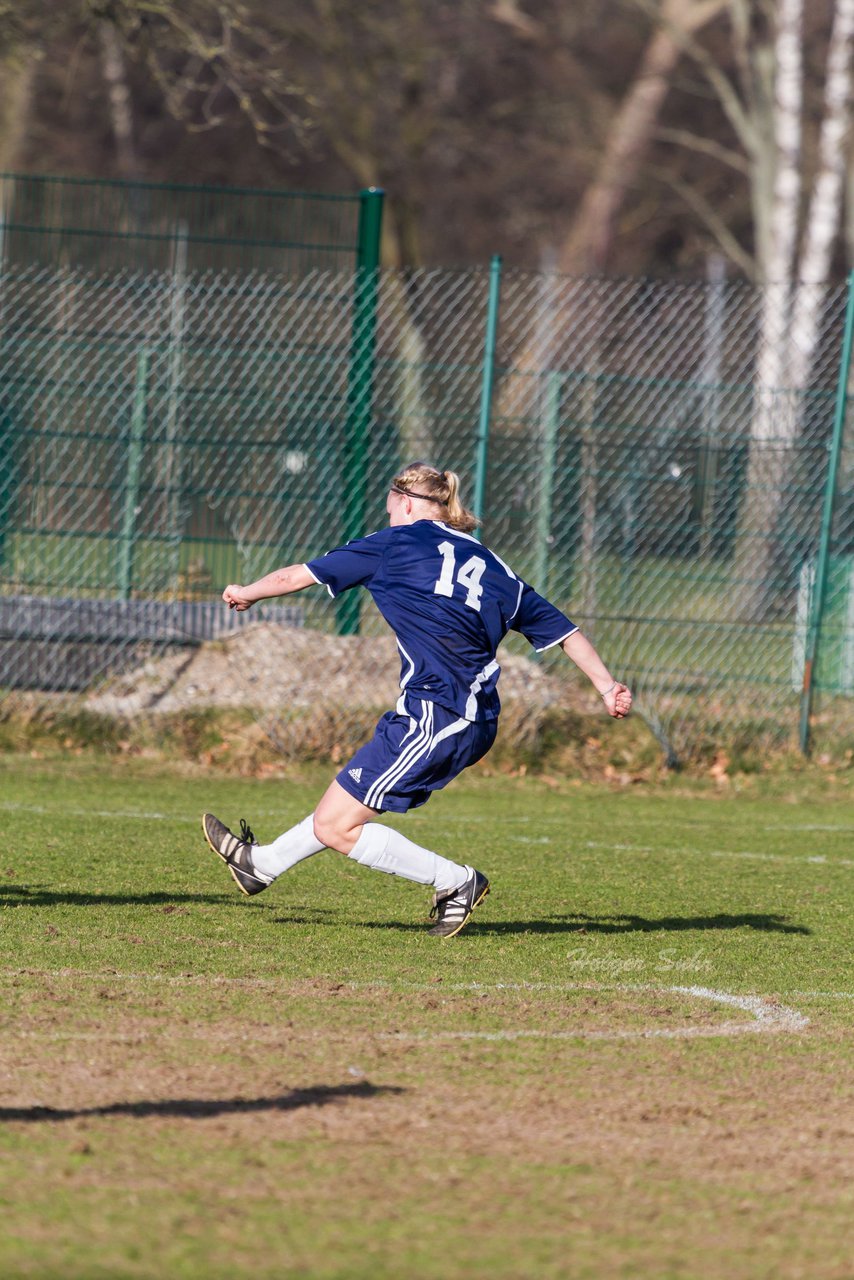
(811, 826)
(169, 979)
(142, 815)
(822, 995)
(7, 806)
(14, 806)
(148, 816)
(639, 820)
(287, 984)
(768, 1016)
(818, 859)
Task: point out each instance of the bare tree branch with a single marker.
(705, 146)
(209, 57)
(521, 24)
(707, 213)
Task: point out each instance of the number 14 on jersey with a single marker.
(467, 575)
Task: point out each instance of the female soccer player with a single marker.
(450, 601)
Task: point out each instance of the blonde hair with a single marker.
(442, 488)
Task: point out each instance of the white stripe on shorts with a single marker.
(417, 750)
(456, 727)
(418, 746)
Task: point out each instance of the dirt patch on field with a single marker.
(331, 1105)
(588, 1101)
(593, 1073)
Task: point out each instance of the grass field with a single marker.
(636, 1062)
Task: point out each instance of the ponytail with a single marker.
(458, 516)
(442, 488)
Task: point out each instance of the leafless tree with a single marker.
(626, 145)
(797, 206)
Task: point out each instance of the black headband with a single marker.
(408, 493)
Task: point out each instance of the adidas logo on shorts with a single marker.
(356, 774)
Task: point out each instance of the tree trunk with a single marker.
(17, 82)
(118, 91)
(774, 422)
(587, 246)
(586, 250)
(825, 207)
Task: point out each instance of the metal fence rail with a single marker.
(52, 643)
(101, 224)
(163, 433)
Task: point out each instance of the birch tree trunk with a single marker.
(774, 422)
(118, 92)
(824, 214)
(796, 518)
(795, 291)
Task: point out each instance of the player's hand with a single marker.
(235, 598)
(618, 701)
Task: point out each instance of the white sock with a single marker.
(289, 849)
(387, 850)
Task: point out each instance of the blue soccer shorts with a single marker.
(417, 749)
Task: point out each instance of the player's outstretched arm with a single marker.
(279, 583)
(616, 696)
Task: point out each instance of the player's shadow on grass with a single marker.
(39, 896)
(200, 1108)
(577, 923)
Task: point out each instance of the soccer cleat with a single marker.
(236, 853)
(453, 910)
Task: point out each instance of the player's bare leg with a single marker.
(339, 818)
(341, 822)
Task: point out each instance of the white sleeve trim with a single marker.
(318, 581)
(552, 643)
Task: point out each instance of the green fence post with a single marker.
(360, 389)
(137, 430)
(172, 454)
(7, 485)
(551, 418)
(486, 386)
(819, 592)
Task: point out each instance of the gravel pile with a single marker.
(269, 666)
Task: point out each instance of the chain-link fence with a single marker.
(163, 434)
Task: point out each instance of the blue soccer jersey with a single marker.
(450, 602)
